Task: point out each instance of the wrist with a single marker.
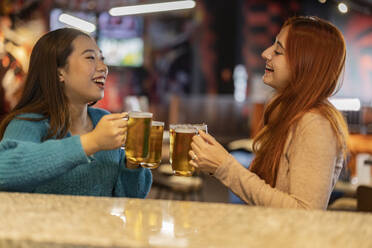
(88, 143)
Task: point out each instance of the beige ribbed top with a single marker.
(308, 171)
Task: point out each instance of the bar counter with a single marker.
(35, 220)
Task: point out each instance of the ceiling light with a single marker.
(151, 8)
(77, 23)
(342, 8)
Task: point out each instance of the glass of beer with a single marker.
(171, 139)
(180, 143)
(156, 145)
(172, 132)
(138, 137)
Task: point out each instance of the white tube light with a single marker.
(151, 8)
(346, 104)
(77, 23)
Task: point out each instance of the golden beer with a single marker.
(171, 141)
(172, 132)
(156, 145)
(182, 139)
(138, 136)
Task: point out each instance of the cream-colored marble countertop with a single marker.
(34, 220)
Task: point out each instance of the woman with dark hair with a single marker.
(52, 141)
(299, 152)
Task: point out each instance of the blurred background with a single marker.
(199, 63)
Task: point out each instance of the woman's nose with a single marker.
(267, 54)
(103, 67)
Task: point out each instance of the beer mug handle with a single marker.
(206, 129)
(123, 145)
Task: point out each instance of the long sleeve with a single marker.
(132, 182)
(311, 159)
(26, 161)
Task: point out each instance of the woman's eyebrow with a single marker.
(280, 44)
(87, 51)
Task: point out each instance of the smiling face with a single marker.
(277, 71)
(85, 72)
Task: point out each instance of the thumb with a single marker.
(206, 137)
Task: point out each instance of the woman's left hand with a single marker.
(207, 154)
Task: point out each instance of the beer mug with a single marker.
(180, 143)
(171, 134)
(156, 145)
(138, 137)
(171, 139)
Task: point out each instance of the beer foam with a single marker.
(200, 127)
(157, 123)
(174, 126)
(185, 130)
(186, 126)
(140, 114)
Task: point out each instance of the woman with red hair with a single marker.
(300, 151)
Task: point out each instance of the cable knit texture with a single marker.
(308, 171)
(60, 166)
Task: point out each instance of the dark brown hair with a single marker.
(43, 92)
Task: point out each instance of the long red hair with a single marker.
(315, 51)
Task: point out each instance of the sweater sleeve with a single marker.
(132, 182)
(26, 162)
(311, 165)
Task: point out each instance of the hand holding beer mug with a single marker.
(156, 145)
(207, 154)
(180, 143)
(109, 133)
(138, 137)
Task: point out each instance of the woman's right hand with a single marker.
(110, 133)
(207, 154)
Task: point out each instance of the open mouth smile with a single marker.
(100, 82)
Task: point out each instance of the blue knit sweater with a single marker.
(60, 166)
